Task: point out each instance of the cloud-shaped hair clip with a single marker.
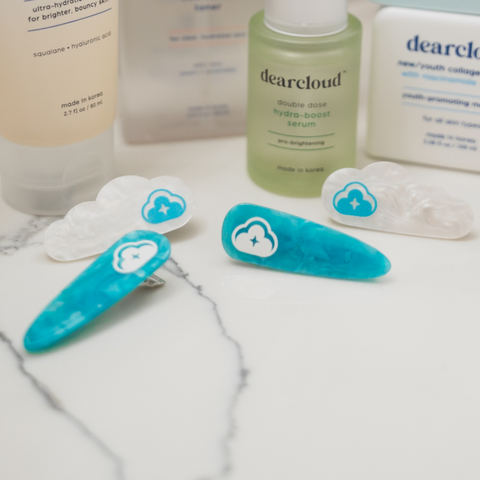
(127, 203)
(385, 196)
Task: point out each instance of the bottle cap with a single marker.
(306, 18)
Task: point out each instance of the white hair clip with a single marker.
(385, 196)
(127, 203)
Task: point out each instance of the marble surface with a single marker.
(233, 371)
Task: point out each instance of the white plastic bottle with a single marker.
(58, 78)
(425, 88)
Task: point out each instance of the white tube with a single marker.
(58, 89)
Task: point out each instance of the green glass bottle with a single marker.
(304, 62)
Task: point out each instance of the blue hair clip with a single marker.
(124, 266)
(274, 239)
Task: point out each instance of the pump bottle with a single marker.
(304, 62)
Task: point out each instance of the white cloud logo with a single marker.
(255, 237)
(129, 257)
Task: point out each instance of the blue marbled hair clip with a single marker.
(129, 262)
(274, 239)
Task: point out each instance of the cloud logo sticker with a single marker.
(129, 257)
(163, 205)
(355, 200)
(255, 237)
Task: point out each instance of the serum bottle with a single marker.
(304, 62)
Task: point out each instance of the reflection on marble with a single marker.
(271, 288)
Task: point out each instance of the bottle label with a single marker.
(185, 68)
(59, 70)
(425, 89)
(302, 120)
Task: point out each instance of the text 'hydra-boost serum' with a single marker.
(304, 61)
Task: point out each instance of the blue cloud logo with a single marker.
(131, 256)
(255, 237)
(163, 205)
(355, 200)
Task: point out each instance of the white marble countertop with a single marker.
(231, 371)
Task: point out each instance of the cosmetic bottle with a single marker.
(58, 81)
(304, 60)
(184, 68)
(424, 101)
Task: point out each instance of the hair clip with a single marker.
(385, 196)
(274, 239)
(127, 203)
(123, 267)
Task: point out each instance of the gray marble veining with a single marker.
(26, 235)
(54, 403)
(173, 267)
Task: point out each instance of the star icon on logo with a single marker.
(164, 209)
(354, 203)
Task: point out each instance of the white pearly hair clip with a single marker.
(127, 203)
(385, 196)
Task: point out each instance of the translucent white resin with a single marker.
(385, 196)
(127, 203)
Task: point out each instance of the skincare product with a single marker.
(459, 6)
(304, 59)
(57, 101)
(184, 68)
(425, 88)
